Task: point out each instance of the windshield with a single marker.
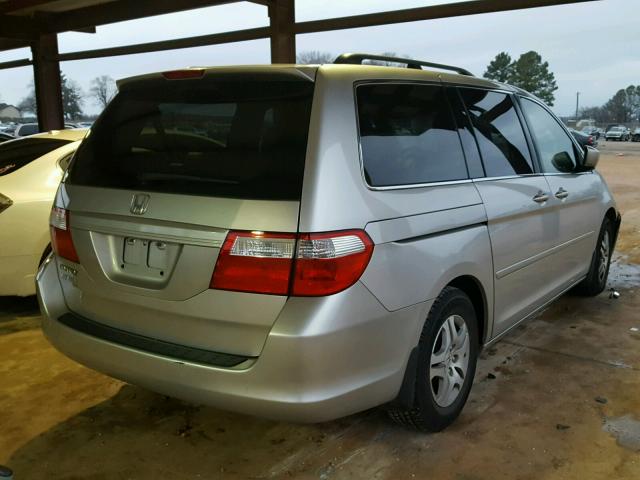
(15, 154)
(243, 139)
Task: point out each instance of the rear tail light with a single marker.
(323, 263)
(255, 262)
(61, 241)
(328, 263)
(5, 202)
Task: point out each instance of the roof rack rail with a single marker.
(358, 58)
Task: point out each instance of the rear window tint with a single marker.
(233, 139)
(16, 154)
(499, 133)
(407, 135)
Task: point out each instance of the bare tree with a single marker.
(312, 57)
(383, 63)
(103, 89)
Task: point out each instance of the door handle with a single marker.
(562, 194)
(540, 197)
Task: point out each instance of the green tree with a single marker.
(71, 99)
(529, 72)
(633, 101)
(618, 108)
(532, 74)
(500, 69)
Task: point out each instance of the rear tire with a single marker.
(596, 279)
(447, 356)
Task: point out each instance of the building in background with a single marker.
(9, 112)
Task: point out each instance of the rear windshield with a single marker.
(242, 139)
(16, 154)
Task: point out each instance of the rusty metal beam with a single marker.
(282, 28)
(9, 6)
(12, 44)
(473, 7)
(12, 26)
(46, 78)
(283, 38)
(123, 10)
(199, 41)
(15, 64)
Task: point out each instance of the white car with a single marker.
(30, 171)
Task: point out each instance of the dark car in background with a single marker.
(635, 137)
(585, 140)
(591, 131)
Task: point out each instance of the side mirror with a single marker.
(591, 158)
(562, 162)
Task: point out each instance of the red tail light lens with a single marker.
(187, 73)
(255, 262)
(323, 264)
(61, 241)
(327, 263)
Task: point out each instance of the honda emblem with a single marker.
(139, 203)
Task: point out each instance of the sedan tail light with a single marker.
(61, 241)
(311, 264)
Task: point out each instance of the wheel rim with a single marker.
(605, 246)
(449, 361)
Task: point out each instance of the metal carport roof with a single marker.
(36, 23)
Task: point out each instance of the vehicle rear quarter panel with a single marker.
(425, 236)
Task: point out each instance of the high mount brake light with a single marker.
(184, 74)
(61, 241)
(310, 264)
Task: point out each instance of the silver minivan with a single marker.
(306, 242)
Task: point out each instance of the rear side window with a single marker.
(499, 133)
(407, 135)
(16, 154)
(555, 149)
(243, 139)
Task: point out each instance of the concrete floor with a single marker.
(562, 402)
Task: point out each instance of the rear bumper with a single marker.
(323, 359)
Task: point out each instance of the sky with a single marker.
(592, 48)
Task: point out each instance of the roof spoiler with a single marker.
(358, 58)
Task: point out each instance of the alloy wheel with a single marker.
(449, 360)
(605, 246)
